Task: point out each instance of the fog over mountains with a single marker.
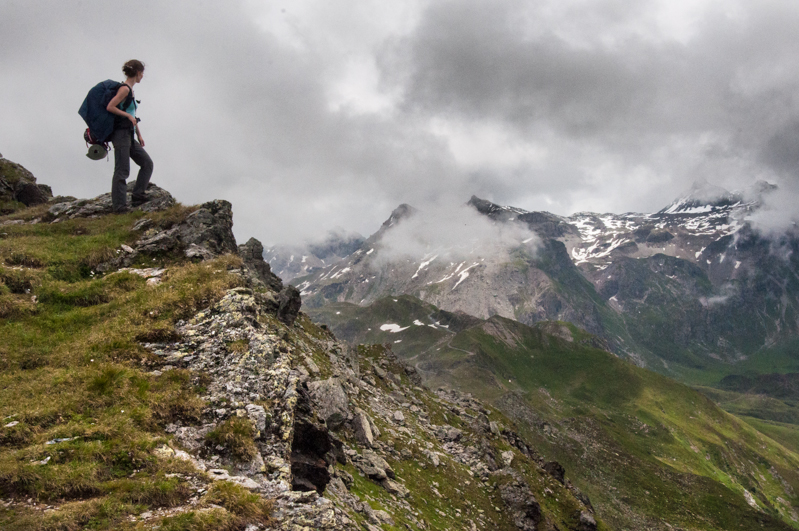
(701, 281)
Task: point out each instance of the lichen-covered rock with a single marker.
(256, 374)
(362, 429)
(331, 401)
(373, 466)
(210, 226)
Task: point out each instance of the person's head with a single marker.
(133, 68)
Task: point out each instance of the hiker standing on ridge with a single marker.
(123, 105)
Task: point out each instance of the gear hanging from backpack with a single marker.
(94, 111)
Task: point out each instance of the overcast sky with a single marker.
(315, 115)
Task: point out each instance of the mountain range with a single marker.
(694, 291)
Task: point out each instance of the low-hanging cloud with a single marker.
(453, 232)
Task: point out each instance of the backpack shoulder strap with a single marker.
(129, 96)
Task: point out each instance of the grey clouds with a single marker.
(314, 115)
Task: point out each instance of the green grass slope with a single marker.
(647, 450)
(81, 412)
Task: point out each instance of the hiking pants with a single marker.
(126, 148)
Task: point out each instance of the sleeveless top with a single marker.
(128, 105)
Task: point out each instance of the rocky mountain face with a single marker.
(345, 438)
(678, 290)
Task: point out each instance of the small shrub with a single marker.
(236, 435)
(18, 281)
(82, 295)
(97, 257)
(239, 346)
(240, 501)
(106, 382)
(14, 305)
(213, 520)
(152, 492)
(183, 406)
(23, 260)
(32, 361)
(158, 334)
(18, 435)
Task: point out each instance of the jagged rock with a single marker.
(373, 466)
(448, 433)
(556, 470)
(398, 417)
(257, 415)
(289, 305)
(18, 184)
(252, 253)
(362, 429)
(377, 516)
(331, 400)
(312, 367)
(433, 457)
(192, 438)
(520, 501)
(507, 457)
(396, 488)
(159, 199)
(143, 224)
(198, 251)
(210, 226)
(310, 445)
(586, 521)
(160, 242)
(220, 474)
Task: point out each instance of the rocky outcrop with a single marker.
(252, 253)
(331, 401)
(520, 500)
(18, 185)
(159, 199)
(210, 227)
(289, 305)
(313, 412)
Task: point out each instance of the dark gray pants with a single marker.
(126, 148)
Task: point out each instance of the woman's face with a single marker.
(139, 76)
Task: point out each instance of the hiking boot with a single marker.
(139, 200)
(123, 210)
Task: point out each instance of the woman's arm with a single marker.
(121, 94)
(138, 133)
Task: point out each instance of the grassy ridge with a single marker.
(82, 412)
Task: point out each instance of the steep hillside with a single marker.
(647, 450)
(155, 375)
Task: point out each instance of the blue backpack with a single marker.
(96, 115)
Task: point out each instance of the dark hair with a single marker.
(133, 67)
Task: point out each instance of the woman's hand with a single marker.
(132, 119)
